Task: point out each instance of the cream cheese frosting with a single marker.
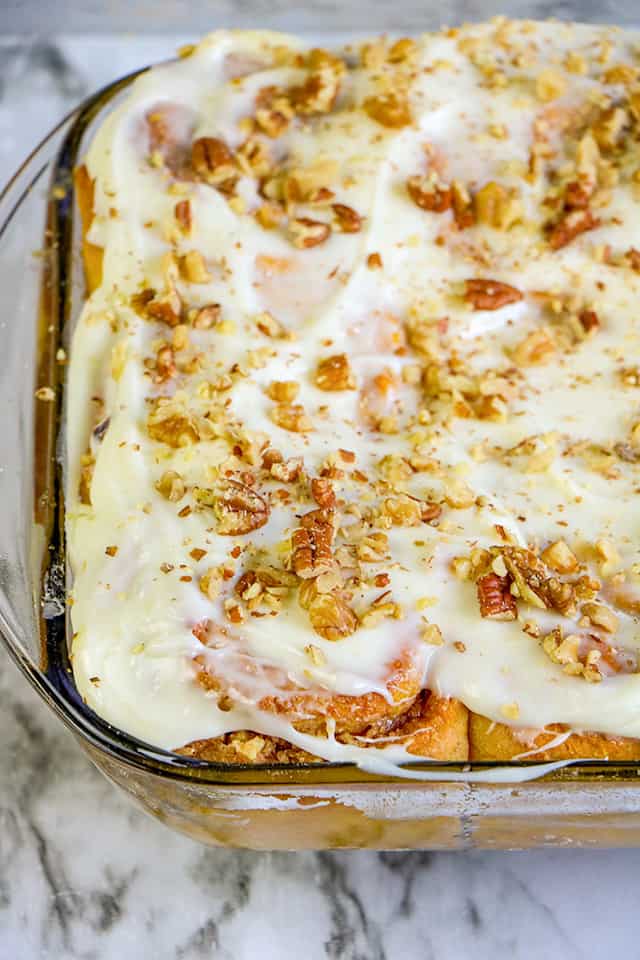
(397, 285)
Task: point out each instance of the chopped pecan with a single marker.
(288, 471)
(323, 493)
(171, 486)
(632, 256)
(389, 109)
(497, 207)
(577, 195)
(213, 162)
(334, 373)
(528, 575)
(172, 425)
(559, 557)
(429, 194)
(306, 233)
(207, 317)
(182, 213)
(274, 112)
(495, 599)
(193, 267)
(589, 321)
(283, 391)
(463, 212)
(318, 93)
(490, 294)
(347, 219)
(570, 226)
(537, 348)
(238, 508)
(291, 416)
(311, 545)
(331, 617)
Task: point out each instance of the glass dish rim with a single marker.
(77, 716)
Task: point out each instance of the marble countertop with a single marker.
(85, 875)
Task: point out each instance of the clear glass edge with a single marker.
(83, 722)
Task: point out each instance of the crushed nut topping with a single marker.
(490, 294)
(334, 373)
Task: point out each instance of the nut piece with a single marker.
(497, 207)
(274, 112)
(193, 267)
(311, 545)
(347, 220)
(429, 194)
(559, 557)
(239, 509)
(171, 424)
(601, 616)
(306, 233)
(331, 617)
(495, 599)
(490, 294)
(207, 317)
(323, 493)
(182, 213)
(570, 226)
(283, 391)
(537, 348)
(334, 373)
(291, 416)
(389, 109)
(211, 583)
(212, 161)
(171, 486)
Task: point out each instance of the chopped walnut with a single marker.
(334, 373)
(490, 294)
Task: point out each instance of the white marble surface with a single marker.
(84, 875)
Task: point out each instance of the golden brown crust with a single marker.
(91, 254)
(495, 741)
(433, 727)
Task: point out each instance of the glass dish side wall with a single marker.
(278, 807)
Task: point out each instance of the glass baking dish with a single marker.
(324, 805)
